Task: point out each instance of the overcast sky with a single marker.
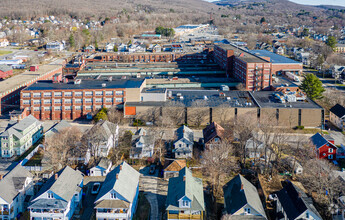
(314, 2)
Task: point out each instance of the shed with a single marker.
(34, 68)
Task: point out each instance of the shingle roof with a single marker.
(338, 110)
(12, 182)
(176, 165)
(17, 128)
(58, 127)
(212, 131)
(295, 202)
(235, 198)
(191, 187)
(318, 140)
(126, 184)
(66, 184)
(185, 132)
(102, 130)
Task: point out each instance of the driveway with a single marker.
(338, 137)
(148, 184)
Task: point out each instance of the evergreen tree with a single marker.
(331, 41)
(312, 86)
(71, 41)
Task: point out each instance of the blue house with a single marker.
(118, 196)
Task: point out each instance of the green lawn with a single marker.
(4, 52)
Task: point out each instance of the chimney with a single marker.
(0, 177)
(241, 186)
(120, 167)
(56, 176)
(117, 175)
(184, 178)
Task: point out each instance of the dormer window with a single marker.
(50, 195)
(185, 203)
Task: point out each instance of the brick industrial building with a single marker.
(50, 100)
(253, 68)
(11, 87)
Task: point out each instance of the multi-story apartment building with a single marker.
(15, 187)
(253, 71)
(118, 196)
(55, 100)
(59, 197)
(18, 137)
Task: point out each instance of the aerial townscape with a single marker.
(172, 109)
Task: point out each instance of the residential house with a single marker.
(59, 197)
(173, 167)
(337, 116)
(102, 168)
(293, 164)
(255, 149)
(213, 135)
(185, 199)
(122, 48)
(55, 46)
(341, 152)
(109, 47)
(142, 144)
(19, 136)
(118, 195)
(293, 203)
(339, 48)
(156, 48)
(241, 200)
(338, 72)
(4, 42)
(57, 128)
(324, 146)
(279, 50)
(16, 187)
(304, 57)
(89, 49)
(101, 138)
(5, 71)
(184, 142)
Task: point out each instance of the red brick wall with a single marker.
(279, 67)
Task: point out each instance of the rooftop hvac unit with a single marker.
(205, 97)
(228, 98)
(181, 97)
(170, 94)
(110, 78)
(104, 84)
(179, 94)
(77, 81)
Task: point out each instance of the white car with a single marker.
(95, 188)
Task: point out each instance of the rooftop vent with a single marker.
(104, 84)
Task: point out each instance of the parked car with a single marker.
(152, 169)
(95, 188)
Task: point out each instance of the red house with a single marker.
(324, 146)
(5, 71)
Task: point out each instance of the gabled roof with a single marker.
(19, 127)
(185, 132)
(295, 202)
(235, 197)
(318, 141)
(211, 131)
(58, 127)
(185, 185)
(148, 140)
(338, 110)
(102, 130)
(126, 184)
(104, 163)
(65, 185)
(12, 182)
(176, 166)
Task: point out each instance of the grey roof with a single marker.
(190, 187)
(251, 144)
(243, 54)
(104, 163)
(5, 68)
(102, 130)
(274, 58)
(126, 184)
(86, 84)
(235, 197)
(19, 127)
(295, 202)
(65, 186)
(12, 182)
(147, 139)
(49, 203)
(58, 127)
(185, 132)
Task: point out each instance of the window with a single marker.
(78, 108)
(68, 101)
(330, 150)
(109, 100)
(307, 215)
(57, 101)
(58, 108)
(108, 92)
(98, 107)
(47, 94)
(78, 93)
(57, 94)
(37, 101)
(88, 93)
(47, 101)
(119, 100)
(79, 101)
(99, 100)
(185, 203)
(26, 102)
(37, 94)
(330, 156)
(50, 195)
(99, 93)
(88, 107)
(119, 92)
(68, 108)
(68, 94)
(47, 108)
(247, 210)
(88, 100)
(113, 195)
(26, 95)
